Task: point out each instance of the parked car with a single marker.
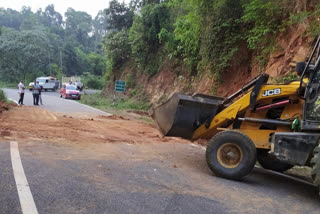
(74, 80)
(70, 92)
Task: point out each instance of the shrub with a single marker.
(93, 82)
(186, 36)
(144, 36)
(311, 18)
(265, 17)
(120, 103)
(130, 80)
(221, 34)
(117, 50)
(2, 95)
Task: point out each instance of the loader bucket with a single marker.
(182, 114)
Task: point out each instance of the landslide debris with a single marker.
(30, 123)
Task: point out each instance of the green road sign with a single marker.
(120, 85)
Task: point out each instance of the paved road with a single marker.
(124, 178)
(53, 102)
(137, 178)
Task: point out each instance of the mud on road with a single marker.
(31, 123)
(78, 143)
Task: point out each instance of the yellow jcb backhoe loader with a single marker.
(276, 124)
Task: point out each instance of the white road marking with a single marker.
(25, 196)
(13, 101)
(97, 110)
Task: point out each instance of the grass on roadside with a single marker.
(8, 85)
(119, 103)
(3, 96)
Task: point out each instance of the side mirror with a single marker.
(300, 66)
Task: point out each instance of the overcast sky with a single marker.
(90, 6)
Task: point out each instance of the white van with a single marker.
(47, 83)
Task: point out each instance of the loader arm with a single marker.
(229, 114)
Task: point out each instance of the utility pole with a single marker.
(61, 61)
(49, 62)
(61, 68)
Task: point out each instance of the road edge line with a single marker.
(98, 110)
(13, 101)
(25, 196)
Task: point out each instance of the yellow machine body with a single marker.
(277, 125)
(224, 119)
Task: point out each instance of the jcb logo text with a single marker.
(271, 92)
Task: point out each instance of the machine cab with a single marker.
(311, 113)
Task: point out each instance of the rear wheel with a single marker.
(231, 155)
(315, 164)
(270, 162)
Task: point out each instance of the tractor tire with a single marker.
(231, 155)
(270, 162)
(315, 164)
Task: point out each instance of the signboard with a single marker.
(120, 85)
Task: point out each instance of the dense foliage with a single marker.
(198, 35)
(43, 43)
(203, 35)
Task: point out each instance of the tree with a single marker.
(144, 33)
(97, 64)
(71, 61)
(78, 26)
(29, 19)
(10, 18)
(41, 43)
(119, 16)
(117, 49)
(100, 24)
(52, 20)
(22, 53)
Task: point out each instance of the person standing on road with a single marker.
(40, 97)
(35, 93)
(21, 92)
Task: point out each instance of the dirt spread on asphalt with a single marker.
(29, 123)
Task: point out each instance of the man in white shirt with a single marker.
(21, 92)
(77, 84)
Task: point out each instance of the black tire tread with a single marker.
(234, 134)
